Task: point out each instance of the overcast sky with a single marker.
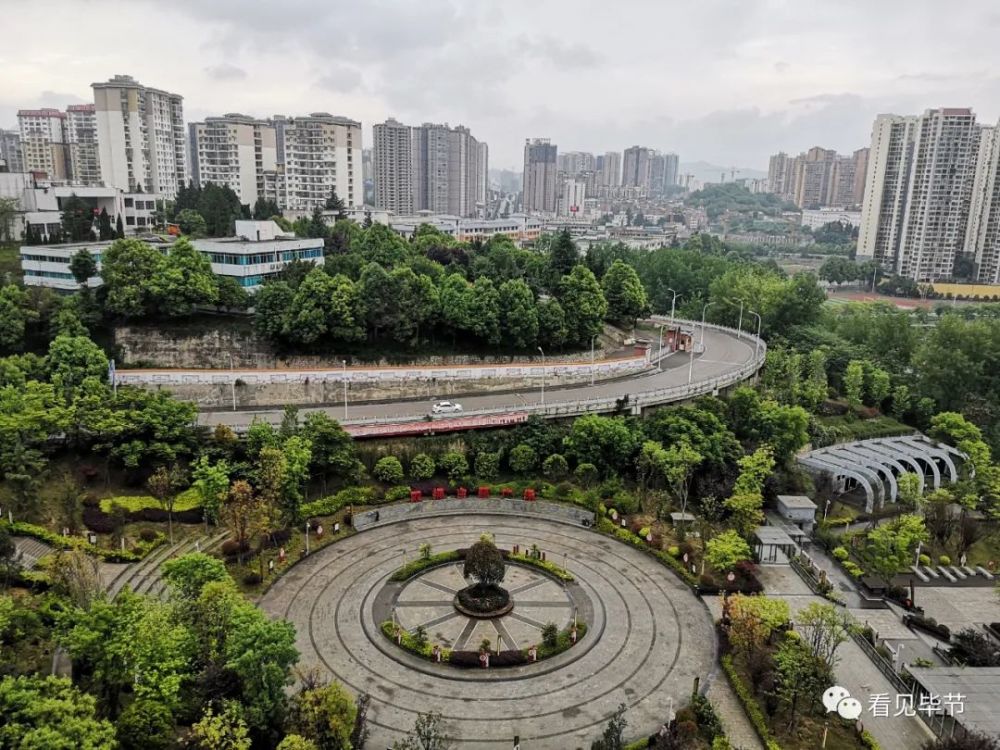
(726, 81)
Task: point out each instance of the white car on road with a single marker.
(446, 407)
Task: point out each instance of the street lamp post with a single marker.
(739, 326)
(673, 306)
(232, 380)
(756, 343)
(592, 338)
(542, 352)
(344, 363)
(659, 356)
(704, 310)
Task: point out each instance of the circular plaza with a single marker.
(647, 635)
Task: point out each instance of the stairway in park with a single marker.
(145, 577)
(30, 551)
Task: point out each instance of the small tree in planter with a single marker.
(550, 635)
(725, 551)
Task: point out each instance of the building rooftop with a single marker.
(797, 501)
(979, 687)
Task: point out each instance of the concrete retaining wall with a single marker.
(500, 506)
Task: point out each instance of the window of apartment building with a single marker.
(130, 220)
(128, 203)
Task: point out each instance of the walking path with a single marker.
(854, 670)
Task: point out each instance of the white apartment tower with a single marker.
(392, 166)
(81, 141)
(637, 167)
(10, 150)
(140, 136)
(237, 151)
(484, 173)
(918, 192)
(319, 153)
(540, 169)
(448, 176)
(43, 141)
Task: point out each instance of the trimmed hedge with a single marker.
(189, 499)
(327, 506)
(625, 535)
(750, 705)
(928, 625)
(138, 551)
(470, 659)
(416, 566)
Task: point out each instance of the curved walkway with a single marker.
(727, 359)
(651, 638)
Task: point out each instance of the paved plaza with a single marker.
(648, 636)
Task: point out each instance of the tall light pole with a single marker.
(232, 380)
(542, 352)
(344, 363)
(659, 357)
(592, 338)
(704, 310)
(673, 306)
(756, 343)
(739, 326)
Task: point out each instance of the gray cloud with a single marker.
(342, 78)
(226, 72)
(563, 55)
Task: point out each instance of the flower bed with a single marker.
(470, 659)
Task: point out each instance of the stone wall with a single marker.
(238, 346)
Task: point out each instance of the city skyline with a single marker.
(748, 89)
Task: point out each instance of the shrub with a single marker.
(454, 465)
(388, 469)
(674, 551)
(924, 559)
(550, 635)
(750, 705)
(231, 548)
(564, 490)
(555, 467)
(422, 467)
(625, 502)
(147, 535)
(944, 560)
(644, 531)
(399, 492)
(840, 553)
(522, 458)
(488, 465)
(586, 474)
(327, 506)
(251, 579)
(145, 725)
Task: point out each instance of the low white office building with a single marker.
(820, 217)
(258, 251)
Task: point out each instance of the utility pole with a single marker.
(542, 352)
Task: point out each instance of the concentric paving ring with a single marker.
(648, 638)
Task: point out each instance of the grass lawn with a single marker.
(187, 500)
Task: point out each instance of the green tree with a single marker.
(265, 208)
(909, 490)
(891, 545)
(726, 550)
(83, 266)
(333, 203)
(272, 303)
(555, 467)
(552, 327)
(222, 730)
(429, 733)
(484, 563)
(298, 456)
(119, 228)
(800, 676)
(145, 725)
(624, 293)
(454, 464)
(187, 575)
(127, 268)
(518, 314)
(388, 469)
(8, 212)
(854, 380)
(297, 742)
(613, 737)
(422, 467)
(164, 484)
(72, 359)
(484, 310)
(324, 714)
(824, 627)
(77, 219)
(185, 279)
(211, 481)
(191, 223)
(523, 458)
(583, 304)
(488, 465)
(563, 255)
(220, 206)
(586, 474)
(14, 317)
(878, 385)
(606, 442)
(323, 307)
(49, 713)
(333, 450)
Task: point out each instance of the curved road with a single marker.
(724, 354)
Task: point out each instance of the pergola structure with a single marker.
(875, 465)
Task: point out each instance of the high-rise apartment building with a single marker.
(572, 195)
(237, 151)
(540, 175)
(611, 169)
(81, 143)
(919, 192)
(392, 166)
(450, 170)
(818, 178)
(572, 163)
(637, 167)
(671, 170)
(319, 153)
(484, 173)
(780, 168)
(10, 150)
(140, 136)
(43, 141)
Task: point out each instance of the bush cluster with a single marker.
(329, 505)
(750, 705)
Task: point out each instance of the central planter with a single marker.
(483, 602)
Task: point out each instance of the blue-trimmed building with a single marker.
(259, 250)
